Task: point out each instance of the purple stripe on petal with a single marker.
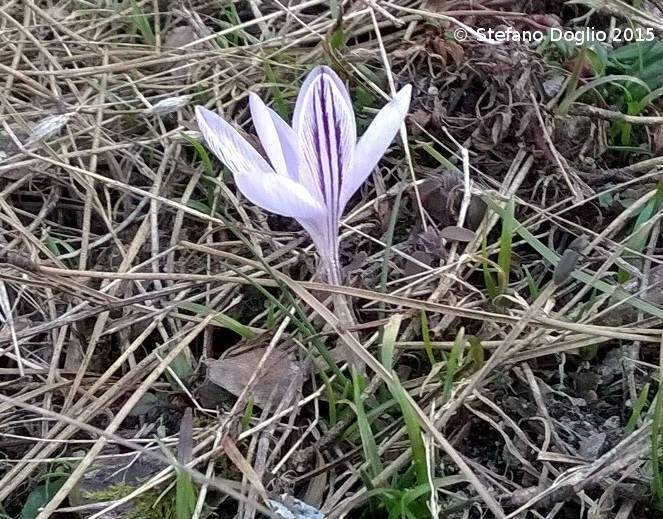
(330, 159)
(320, 150)
(327, 134)
(312, 77)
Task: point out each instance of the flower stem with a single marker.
(342, 308)
(332, 267)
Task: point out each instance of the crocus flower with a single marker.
(315, 165)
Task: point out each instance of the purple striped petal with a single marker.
(312, 77)
(326, 131)
(278, 139)
(375, 141)
(254, 177)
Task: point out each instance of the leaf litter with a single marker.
(107, 183)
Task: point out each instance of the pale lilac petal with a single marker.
(289, 144)
(308, 82)
(375, 141)
(277, 138)
(254, 177)
(327, 136)
(280, 195)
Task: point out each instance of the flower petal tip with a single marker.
(403, 97)
(204, 116)
(200, 110)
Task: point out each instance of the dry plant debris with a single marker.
(168, 349)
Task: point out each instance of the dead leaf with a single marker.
(429, 242)
(421, 118)
(455, 233)
(582, 66)
(234, 373)
(357, 263)
(524, 123)
(185, 445)
(20, 324)
(549, 20)
(412, 268)
(654, 293)
(382, 205)
(315, 492)
(180, 36)
(658, 140)
(243, 465)
(475, 213)
(148, 403)
(456, 52)
(435, 195)
(448, 49)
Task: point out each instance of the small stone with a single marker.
(591, 396)
(553, 85)
(614, 422)
(107, 473)
(591, 446)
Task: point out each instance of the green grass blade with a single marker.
(637, 410)
(489, 281)
(476, 351)
(185, 496)
(331, 394)
(279, 101)
(371, 415)
(367, 438)
(222, 320)
(647, 216)
(657, 481)
(425, 335)
(584, 277)
(506, 238)
(452, 365)
(531, 285)
(143, 24)
(650, 97)
(568, 100)
(437, 156)
(415, 493)
(413, 432)
(248, 414)
(202, 153)
(411, 422)
(388, 242)
(389, 341)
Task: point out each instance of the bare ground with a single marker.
(131, 266)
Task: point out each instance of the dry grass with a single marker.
(113, 229)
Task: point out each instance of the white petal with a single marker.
(277, 138)
(280, 195)
(289, 144)
(253, 175)
(375, 141)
